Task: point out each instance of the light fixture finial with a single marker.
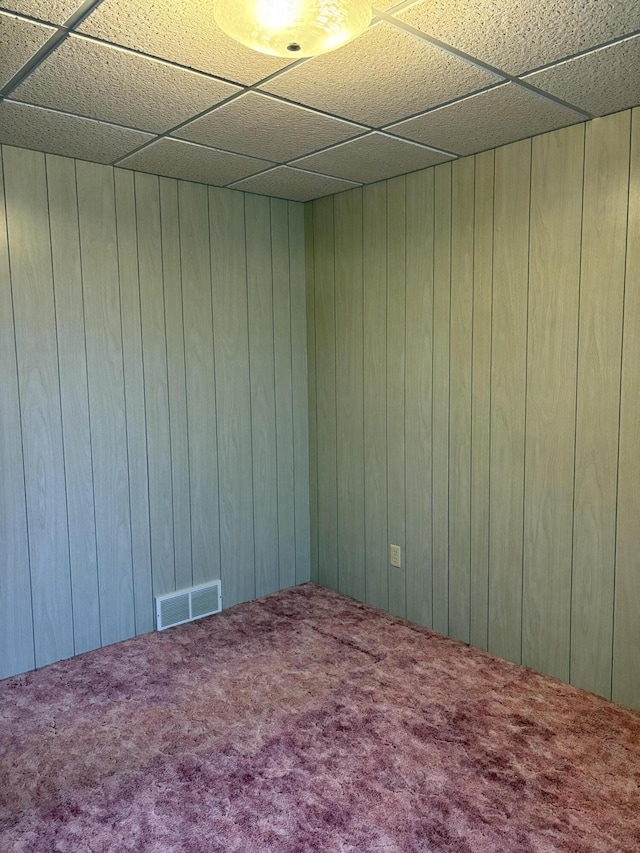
(293, 28)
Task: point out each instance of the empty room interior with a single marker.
(319, 426)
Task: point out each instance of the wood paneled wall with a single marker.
(153, 400)
(474, 377)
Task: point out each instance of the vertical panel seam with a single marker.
(575, 412)
(166, 356)
(335, 388)
(448, 436)
(86, 362)
(364, 394)
(384, 302)
(429, 523)
(493, 251)
(24, 473)
(633, 115)
(473, 307)
(186, 383)
(275, 386)
(433, 402)
(253, 495)
(315, 359)
(361, 253)
(315, 387)
(526, 401)
(386, 382)
(449, 465)
(124, 393)
(448, 483)
(215, 384)
(293, 402)
(144, 386)
(404, 396)
(62, 431)
(471, 395)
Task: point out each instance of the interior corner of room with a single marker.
(199, 383)
(471, 338)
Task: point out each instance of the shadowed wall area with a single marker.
(474, 343)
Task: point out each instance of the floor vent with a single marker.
(175, 608)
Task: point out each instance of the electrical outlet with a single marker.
(395, 556)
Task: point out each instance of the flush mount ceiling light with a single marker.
(293, 27)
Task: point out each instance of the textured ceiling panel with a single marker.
(279, 131)
(19, 40)
(599, 82)
(294, 184)
(371, 158)
(56, 11)
(518, 35)
(177, 159)
(181, 32)
(33, 127)
(492, 118)
(157, 64)
(382, 76)
(99, 81)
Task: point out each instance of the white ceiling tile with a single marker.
(33, 127)
(99, 81)
(191, 162)
(279, 131)
(382, 76)
(600, 82)
(293, 184)
(185, 33)
(371, 158)
(55, 11)
(19, 40)
(518, 35)
(380, 80)
(487, 120)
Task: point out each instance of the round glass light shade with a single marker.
(293, 28)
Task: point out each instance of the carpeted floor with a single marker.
(309, 722)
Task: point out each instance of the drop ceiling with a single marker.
(156, 86)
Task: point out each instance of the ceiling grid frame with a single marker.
(332, 151)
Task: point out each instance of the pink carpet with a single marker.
(309, 722)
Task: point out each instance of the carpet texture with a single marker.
(308, 722)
